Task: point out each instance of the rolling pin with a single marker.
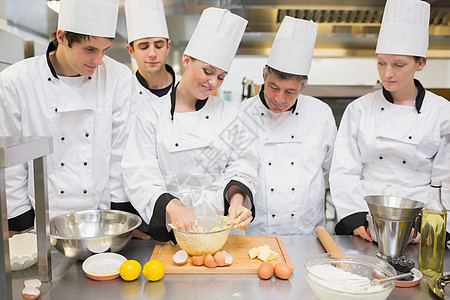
(328, 243)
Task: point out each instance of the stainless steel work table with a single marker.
(69, 281)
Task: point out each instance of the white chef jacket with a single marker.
(194, 157)
(87, 116)
(383, 148)
(143, 94)
(295, 149)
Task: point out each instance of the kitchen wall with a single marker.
(330, 71)
(12, 40)
(11, 50)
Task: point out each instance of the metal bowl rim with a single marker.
(367, 197)
(58, 237)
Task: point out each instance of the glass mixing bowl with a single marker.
(210, 238)
(325, 276)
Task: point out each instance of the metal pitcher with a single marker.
(394, 218)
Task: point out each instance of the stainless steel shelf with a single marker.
(16, 151)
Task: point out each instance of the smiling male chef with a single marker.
(81, 98)
(149, 45)
(295, 137)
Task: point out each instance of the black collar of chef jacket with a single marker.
(419, 98)
(263, 100)
(173, 95)
(143, 82)
(51, 47)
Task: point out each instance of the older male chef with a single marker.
(79, 97)
(295, 137)
(149, 45)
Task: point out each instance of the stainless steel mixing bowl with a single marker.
(80, 234)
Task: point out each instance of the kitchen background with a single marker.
(343, 67)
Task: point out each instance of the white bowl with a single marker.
(22, 251)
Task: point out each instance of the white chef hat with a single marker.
(90, 17)
(404, 29)
(145, 18)
(293, 47)
(216, 38)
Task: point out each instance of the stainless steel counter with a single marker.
(69, 281)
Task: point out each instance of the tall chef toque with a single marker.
(145, 18)
(216, 38)
(89, 17)
(293, 47)
(404, 29)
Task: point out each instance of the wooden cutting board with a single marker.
(237, 246)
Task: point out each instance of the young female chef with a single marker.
(392, 141)
(190, 155)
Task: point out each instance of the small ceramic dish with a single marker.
(22, 251)
(415, 281)
(103, 266)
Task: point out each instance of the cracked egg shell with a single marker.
(209, 261)
(198, 260)
(180, 257)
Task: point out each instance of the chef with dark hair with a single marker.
(295, 137)
(79, 97)
(149, 45)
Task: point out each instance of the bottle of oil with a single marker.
(432, 236)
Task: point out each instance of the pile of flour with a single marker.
(340, 280)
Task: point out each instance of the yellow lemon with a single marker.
(154, 270)
(130, 270)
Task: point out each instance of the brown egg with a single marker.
(209, 261)
(265, 270)
(180, 258)
(282, 270)
(198, 260)
(219, 258)
(30, 293)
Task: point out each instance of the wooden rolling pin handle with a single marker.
(331, 247)
(326, 240)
